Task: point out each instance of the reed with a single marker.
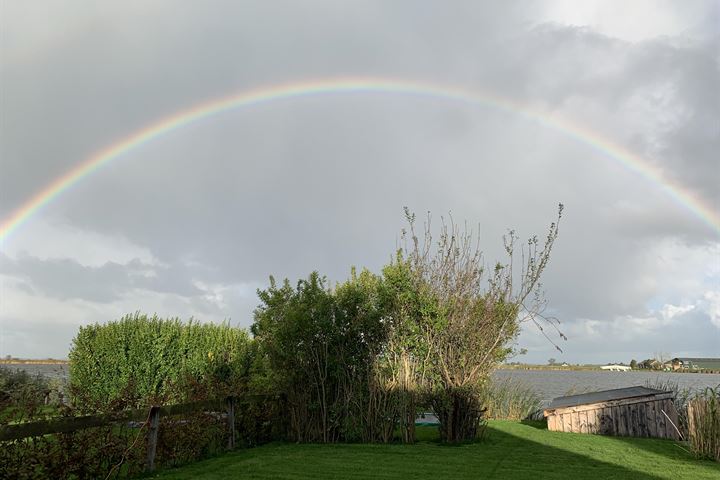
(510, 400)
(704, 424)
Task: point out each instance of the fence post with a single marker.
(152, 438)
(691, 419)
(231, 422)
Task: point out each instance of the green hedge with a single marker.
(141, 360)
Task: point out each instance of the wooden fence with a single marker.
(149, 417)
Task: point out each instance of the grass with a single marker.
(511, 450)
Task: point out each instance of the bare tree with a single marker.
(477, 311)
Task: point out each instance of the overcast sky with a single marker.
(194, 222)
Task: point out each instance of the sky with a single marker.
(193, 222)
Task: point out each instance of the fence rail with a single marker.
(149, 416)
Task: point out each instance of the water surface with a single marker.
(547, 383)
(550, 384)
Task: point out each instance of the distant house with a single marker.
(652, 364)
(694, 364)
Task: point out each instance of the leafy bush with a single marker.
(141, 360)
(318, 346)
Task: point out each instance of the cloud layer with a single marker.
(194, 222)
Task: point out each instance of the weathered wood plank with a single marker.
(664, 413)
(621, 414)
(632, 416)
(589, 420)
(67, 424)
(691, 417)
(596, 420)
(552, 423)
(578, 422)
(661, 421)
(584, 421)
(152, 438)
(606, 422)
(640, 423)
(642, 430)
(672, 423)
(231, 422)
(650, 419)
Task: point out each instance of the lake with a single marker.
(557, 383)
(547, 383)
(55, 371)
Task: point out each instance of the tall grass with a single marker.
(510, 400)
(704, 424)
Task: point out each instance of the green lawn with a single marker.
(511, 450)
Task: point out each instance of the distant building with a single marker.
(616, 368)
(694, 364)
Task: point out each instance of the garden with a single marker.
(329, 383)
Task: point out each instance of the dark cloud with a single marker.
(68, 279)
(690, 334)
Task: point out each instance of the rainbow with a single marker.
(266, 94)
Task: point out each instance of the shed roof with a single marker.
(603, 396)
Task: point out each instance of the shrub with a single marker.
(460, 413)
(141, 360)
(319, 346)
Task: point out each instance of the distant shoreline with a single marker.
(570, 368)
(549, 367)
(55, 361)
(26, 361)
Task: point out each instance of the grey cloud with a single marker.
(68, 279)
(690, 334)
(319, 183)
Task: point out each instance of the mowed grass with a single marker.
(511, 450)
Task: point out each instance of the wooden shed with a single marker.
(626, 412)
